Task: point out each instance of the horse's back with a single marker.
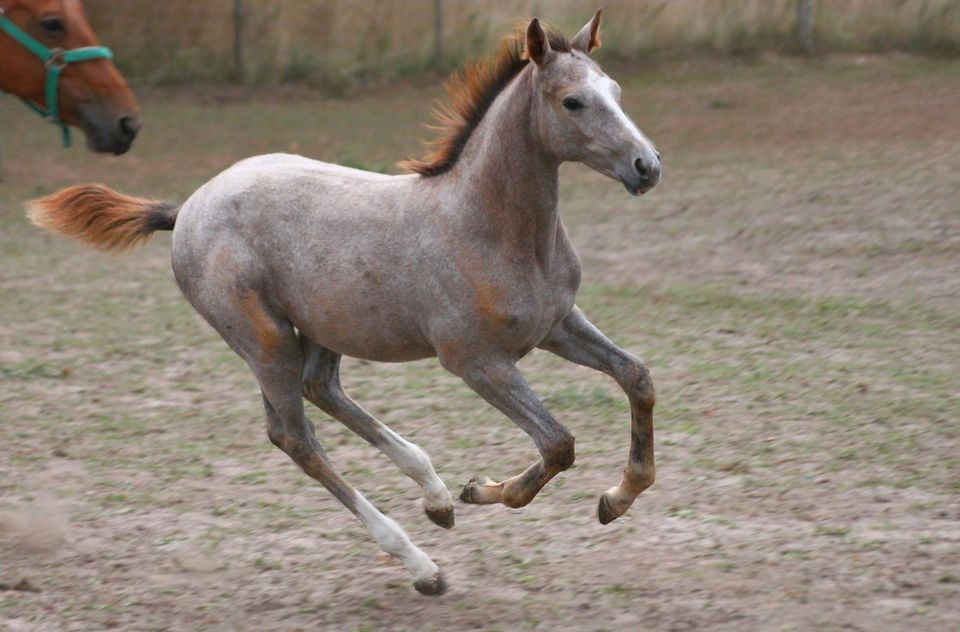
(271, 194)
(303, 167)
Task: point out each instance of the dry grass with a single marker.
(332, 43)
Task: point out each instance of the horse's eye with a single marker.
(572, 104)
(53, 24)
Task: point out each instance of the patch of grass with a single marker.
(579, 397)
(31, 370)
(832, 530)
(252, 478)
(721, 520)
(265, 564)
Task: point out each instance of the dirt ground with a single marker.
(794, 284)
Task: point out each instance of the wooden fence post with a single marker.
(239, 69)
(437, 33)
(805, 24)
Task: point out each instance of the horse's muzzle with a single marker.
(109, 133)
(644, 175)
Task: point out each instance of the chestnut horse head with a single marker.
(51, 58)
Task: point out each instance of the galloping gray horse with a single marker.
(297, 262)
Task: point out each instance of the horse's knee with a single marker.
(638, 383)
(560, 454)
(277, 435)
(307, 456)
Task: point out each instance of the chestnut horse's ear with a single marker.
(589, 36)
(538, 45)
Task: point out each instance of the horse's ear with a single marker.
(538, 45)
(589, 36)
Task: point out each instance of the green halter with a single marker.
(54, 60)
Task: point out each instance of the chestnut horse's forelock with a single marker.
(471, 92)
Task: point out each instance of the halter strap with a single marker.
(54, 61)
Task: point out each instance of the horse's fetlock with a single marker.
(516, 502)
(642, 477)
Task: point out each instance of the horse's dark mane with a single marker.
(471, 92)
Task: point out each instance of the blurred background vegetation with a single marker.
(336, 43)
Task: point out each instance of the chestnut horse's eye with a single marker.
(572, 104)
(53, 25)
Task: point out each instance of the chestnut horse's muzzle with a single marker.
(106, 130)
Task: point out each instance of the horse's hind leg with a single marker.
(296, 438)
(270, 347)
(321, 385)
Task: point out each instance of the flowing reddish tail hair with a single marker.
(101, 217)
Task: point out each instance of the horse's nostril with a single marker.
(129, 126)
(642, 169)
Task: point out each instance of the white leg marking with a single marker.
(393, 540)
(415, 463)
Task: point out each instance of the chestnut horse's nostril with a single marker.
(129, 126)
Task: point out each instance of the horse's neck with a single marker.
(511, 184)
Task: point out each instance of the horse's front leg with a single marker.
(577, 340)
(498, 382)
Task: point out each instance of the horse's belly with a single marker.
(372, 349)
(370, 332)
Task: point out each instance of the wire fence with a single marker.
(336, 41)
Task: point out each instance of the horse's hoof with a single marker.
(608, 512)
(441, 517)
(431, 587)
(480, 491)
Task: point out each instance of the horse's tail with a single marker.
(101, 217)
